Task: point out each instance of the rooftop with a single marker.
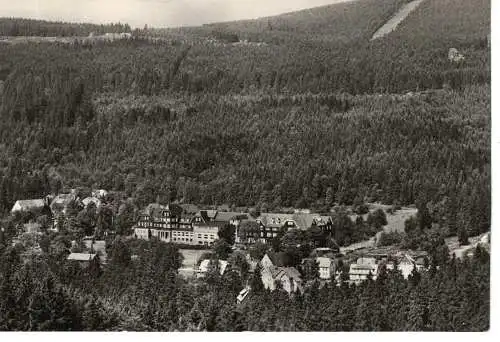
(81, 256)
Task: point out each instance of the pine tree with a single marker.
(256, 281)
(463, 237)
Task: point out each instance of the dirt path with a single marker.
(401, 15)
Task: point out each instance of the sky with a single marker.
(157, 13)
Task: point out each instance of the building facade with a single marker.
(362, 269)
(172, 223)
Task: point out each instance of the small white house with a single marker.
(359, 271)
(326, 267)
(32, 205)
(204, 267)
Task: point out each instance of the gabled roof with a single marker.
(274, 220)
(81, 256)
(175, 209)
(289, 272)
(277, 259)
(305, 221)
(153, 209)
(207, 215)
(226, 216)
(190, 209)
(27, 205)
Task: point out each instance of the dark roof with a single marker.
(226, 216)
(155, 209)
(190, 209)
(278, 259)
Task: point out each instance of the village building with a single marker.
(288, 278)
(327, 268)
(204, 267)
(84, 260)
(34, 206)
(408, 263)
(207, 223)
(362, 269)
(32, 227)
(272, 223)
(274, 275)
(62, 202)
(97, 247)
(88, 200)
(100, 193)
(166, 223)
(177, 224)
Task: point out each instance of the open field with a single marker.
(395, 223)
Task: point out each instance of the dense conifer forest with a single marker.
(147, 294)
(300, 110)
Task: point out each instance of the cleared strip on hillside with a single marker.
(392, 24)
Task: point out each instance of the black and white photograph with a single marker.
(245, 166)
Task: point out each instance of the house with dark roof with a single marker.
(189, 209)
(165, 222)
(272, 223)
(62, 202)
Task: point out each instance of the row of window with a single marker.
(177, 236)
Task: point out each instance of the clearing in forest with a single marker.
(401, 15)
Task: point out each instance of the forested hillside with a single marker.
(280, 124)
(304, 111)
